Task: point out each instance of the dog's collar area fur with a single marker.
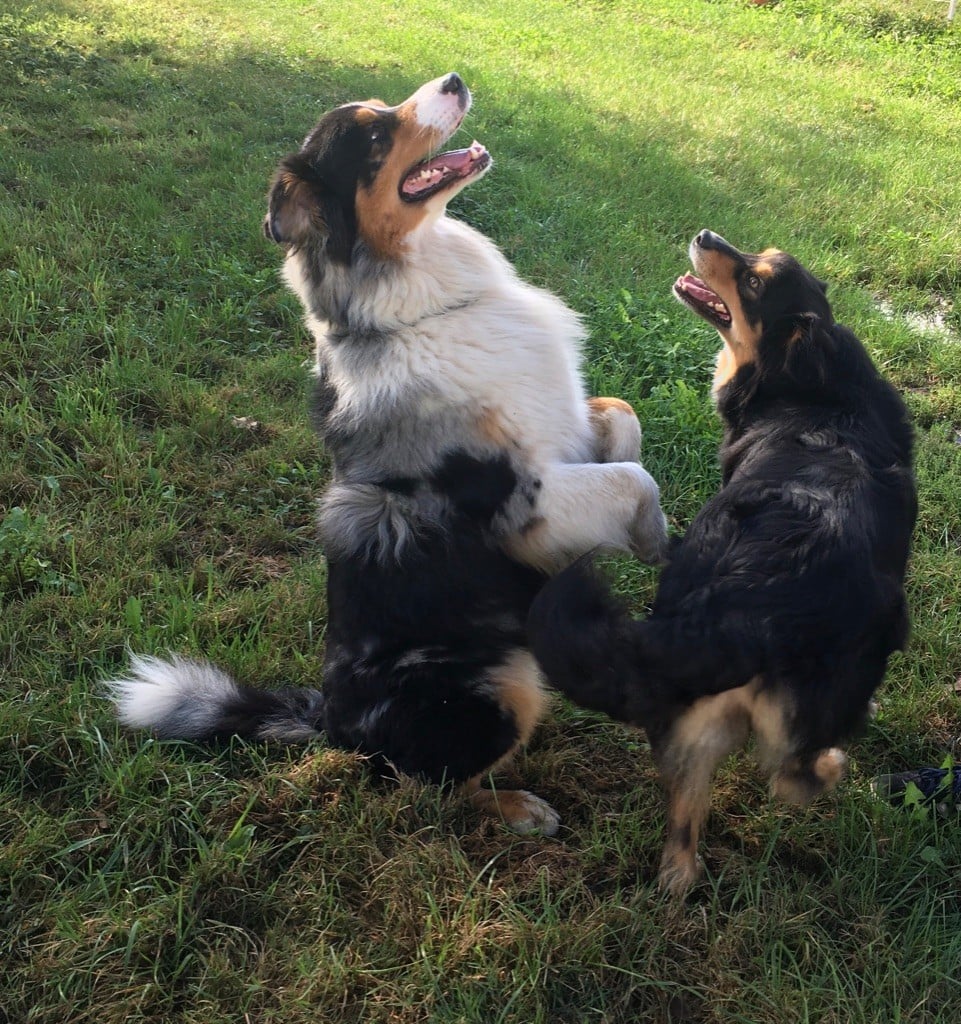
(342, 331)
(403, 485)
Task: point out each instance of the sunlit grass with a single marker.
(157, 478)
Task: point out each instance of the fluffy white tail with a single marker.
(193, 700)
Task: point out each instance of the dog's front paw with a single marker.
(678, 873)
(798, 783)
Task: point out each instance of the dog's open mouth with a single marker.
(432, 176)
(695, 294)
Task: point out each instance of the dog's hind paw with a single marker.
(678, 874)
(521, 812)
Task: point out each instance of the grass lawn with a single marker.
(158, 477)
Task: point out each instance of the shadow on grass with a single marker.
(122, 114)
(135, 176)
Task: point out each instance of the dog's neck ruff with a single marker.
(368, 333)
(372, 299)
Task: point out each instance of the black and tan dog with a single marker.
(778, 609)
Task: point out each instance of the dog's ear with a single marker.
(301, 208)
(294, 204)
(799, 347)
(798, 327)
(786, 333)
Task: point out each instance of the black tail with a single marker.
(183, 699)
(581, 636)
(592, 650)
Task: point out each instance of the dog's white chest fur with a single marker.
(457, 327)
(448, 349)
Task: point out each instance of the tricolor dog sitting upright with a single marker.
(777, 611)
(468, 464)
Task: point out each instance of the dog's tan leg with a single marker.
(617, 430)
(518, 687)
(794, 780)
(687, 758)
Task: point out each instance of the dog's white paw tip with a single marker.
(830, 766)
(676, 877)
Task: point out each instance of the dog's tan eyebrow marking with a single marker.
(765, 263)
(365, 114)
(365, 110)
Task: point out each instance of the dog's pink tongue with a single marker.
(697, 288)
(455, 164)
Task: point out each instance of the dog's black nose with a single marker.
(706, 239)
(453, 83)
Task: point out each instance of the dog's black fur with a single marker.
(437, 622)
(788, 583)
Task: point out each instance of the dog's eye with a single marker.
(754, 282)
(376, 135)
